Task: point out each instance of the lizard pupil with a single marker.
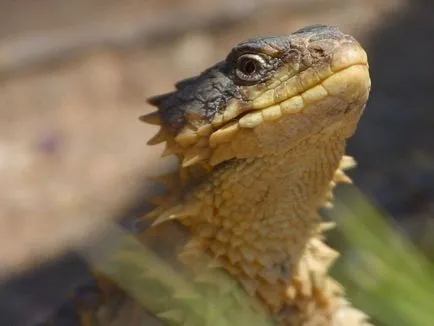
(249, 66)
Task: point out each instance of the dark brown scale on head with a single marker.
(197, 99)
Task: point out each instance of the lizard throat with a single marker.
(257, 215)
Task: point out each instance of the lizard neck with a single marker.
(258, 220)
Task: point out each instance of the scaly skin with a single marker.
(261, 139)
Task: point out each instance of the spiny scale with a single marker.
(346, 163)
(195, 156)
(152, 118)
(177, 212)
(160, 137)
(224, 134)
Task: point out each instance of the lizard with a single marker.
(260, 138)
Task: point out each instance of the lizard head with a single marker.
(267, 95)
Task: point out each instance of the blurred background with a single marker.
(74, 77)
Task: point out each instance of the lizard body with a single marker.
(261, 139)
(268, 127)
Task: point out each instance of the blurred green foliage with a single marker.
(384, 274)
(195, 296)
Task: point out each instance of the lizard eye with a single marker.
(249, 67)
